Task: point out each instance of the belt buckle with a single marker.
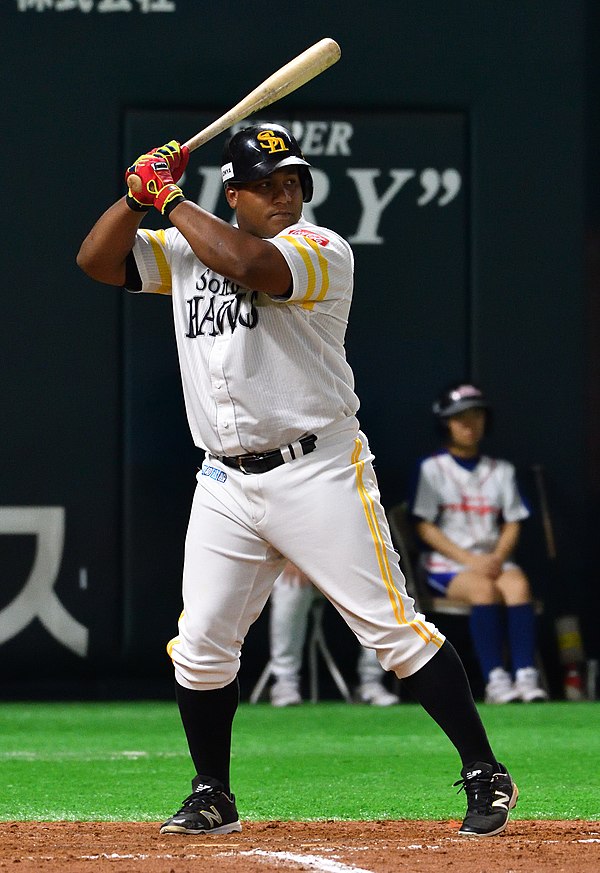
(241, 467)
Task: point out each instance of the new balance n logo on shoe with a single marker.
(502, 801)
(208, 810)
(212, 816)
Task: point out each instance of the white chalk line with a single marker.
(313, 862)
(66, 755)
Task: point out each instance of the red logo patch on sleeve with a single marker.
(309, 234)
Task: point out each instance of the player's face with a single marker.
(466, 431)
(266, 207)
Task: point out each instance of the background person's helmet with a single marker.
(458, 397)
(255, 152)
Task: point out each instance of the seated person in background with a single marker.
(468, 512)
(291, 599)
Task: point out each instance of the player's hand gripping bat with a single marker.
(310, 63)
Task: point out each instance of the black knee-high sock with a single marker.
(443, 690)
(207, 718)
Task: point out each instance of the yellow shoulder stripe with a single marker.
(300, 243)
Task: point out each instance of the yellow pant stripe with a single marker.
(381, 552)
(176, 640)
(170, 645)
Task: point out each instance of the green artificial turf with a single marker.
(128, 761)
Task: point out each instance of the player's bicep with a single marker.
(273, 275)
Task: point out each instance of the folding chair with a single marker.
(317, 645)
(405, 541)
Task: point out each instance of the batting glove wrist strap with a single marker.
(135, 204)
(168, 198)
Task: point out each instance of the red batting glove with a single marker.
(177, 157)
(157, 185)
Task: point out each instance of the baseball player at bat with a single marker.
(260, 313)
(469, 509)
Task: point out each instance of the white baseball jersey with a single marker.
(225, 334)
(468, 506)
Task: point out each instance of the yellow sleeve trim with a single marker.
(157, 241)
(300, 244)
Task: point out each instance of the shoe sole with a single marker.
(233, 828)
(511, 805)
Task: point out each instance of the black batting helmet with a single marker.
(255, 152)
(458, 397)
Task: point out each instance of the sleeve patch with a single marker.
(309, 234)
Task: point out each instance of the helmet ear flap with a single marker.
(306, 183)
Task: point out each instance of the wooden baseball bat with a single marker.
(300, 70)
(538, 472)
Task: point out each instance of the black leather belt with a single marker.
(269, 460)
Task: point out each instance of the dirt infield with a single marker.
(325, 847)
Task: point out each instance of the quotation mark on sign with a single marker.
(446, 185)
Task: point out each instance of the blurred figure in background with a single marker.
(468, 512)
(291, 599)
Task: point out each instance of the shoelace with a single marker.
(478, 791)
(201, 799)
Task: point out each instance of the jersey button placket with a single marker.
(224, 406)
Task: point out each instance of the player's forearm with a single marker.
(507, 541)
(244, 258)
(105, 249)
(439, 542)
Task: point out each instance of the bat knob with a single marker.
(134, 183)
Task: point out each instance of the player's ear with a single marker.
(232, 196)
